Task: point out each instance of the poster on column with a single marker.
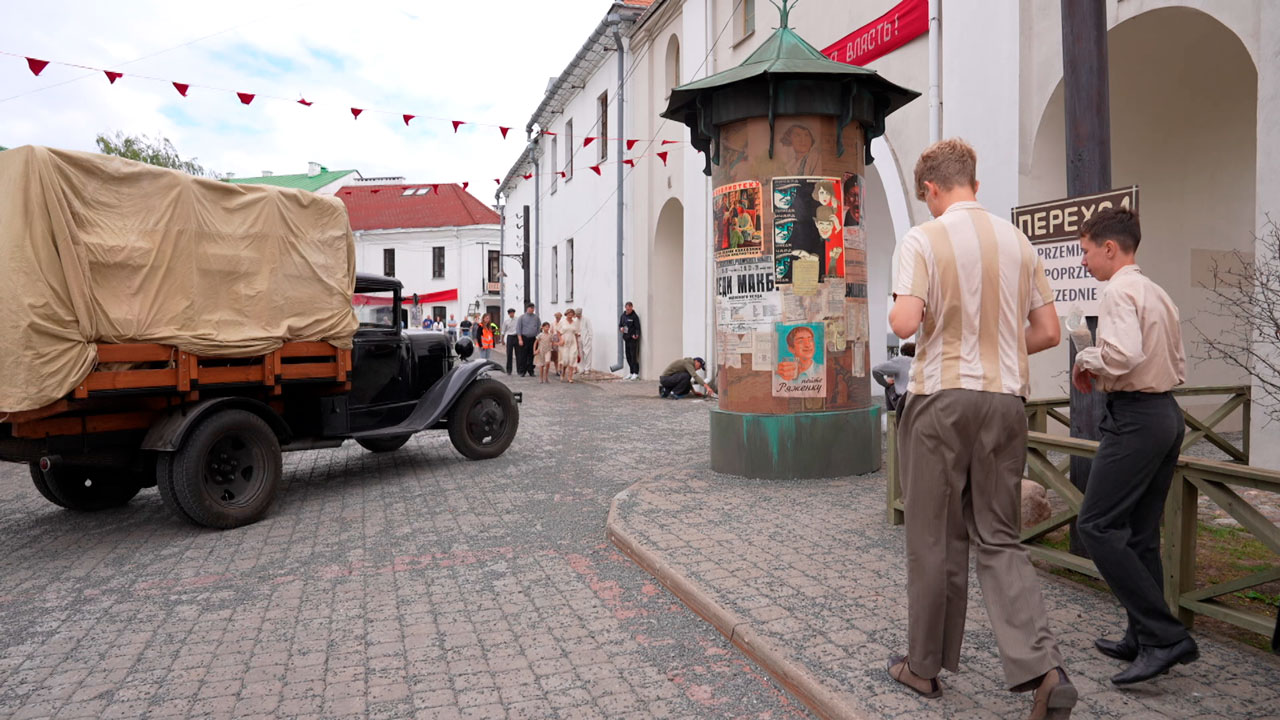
(800, 370)
(737, 214)
(807, 213)
(852, 200)
(746, 297)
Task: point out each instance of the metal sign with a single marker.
(1054, 229)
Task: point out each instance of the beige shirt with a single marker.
(979, 278)
(1139, 337)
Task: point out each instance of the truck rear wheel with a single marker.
(483, 422)
(85, 489)
(227, 473)
(383, 444)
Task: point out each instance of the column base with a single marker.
(802, 445)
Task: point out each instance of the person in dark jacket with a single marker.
(629, 326)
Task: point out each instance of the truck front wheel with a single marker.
(227, 473)
(85, 489)
(483, 422)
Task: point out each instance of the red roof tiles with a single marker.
(383, 207)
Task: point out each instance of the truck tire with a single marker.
(483, 422)
(227, 472)
(86, 489)
(383, 444)
(164, 483)
(42, 485)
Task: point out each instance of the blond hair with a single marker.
(947, 163)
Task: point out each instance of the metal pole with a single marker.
(1086, 101)
(935, 70)
(617, 42)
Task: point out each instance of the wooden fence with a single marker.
(1216, 479)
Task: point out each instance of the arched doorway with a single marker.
(664, 328)
(1184, 95)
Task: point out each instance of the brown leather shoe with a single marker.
(1054, 698)
(900, 671)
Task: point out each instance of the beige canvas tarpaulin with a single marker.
(101, 249)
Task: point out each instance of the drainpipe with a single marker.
(534, 253)
(502, 258)
(935, 70)
(615, 20)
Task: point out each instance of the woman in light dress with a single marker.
(568, 350)
(584, 342)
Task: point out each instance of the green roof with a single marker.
(302, 181)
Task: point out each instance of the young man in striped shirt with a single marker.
(974, 288)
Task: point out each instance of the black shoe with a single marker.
(1153, 661)
(663, 392)
(1124, 649)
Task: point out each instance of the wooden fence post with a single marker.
(1179, 555)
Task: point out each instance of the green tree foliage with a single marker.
(159, 151)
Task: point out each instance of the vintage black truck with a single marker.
(209, 432)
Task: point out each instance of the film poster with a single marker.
(738, 217)
(852, 200)
(746, 295)
(807, 215)
(800, 369)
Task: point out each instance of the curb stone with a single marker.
(792, 676)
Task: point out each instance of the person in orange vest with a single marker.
(487, 332)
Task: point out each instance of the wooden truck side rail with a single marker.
(183, 375)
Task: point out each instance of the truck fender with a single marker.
(167, 434)
(439, 399)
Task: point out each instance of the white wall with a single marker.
(465, 267)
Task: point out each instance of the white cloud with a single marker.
(480, 61)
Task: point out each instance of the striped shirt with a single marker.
(979, 278)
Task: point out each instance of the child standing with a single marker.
(542, 348)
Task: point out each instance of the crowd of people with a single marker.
(561, 347)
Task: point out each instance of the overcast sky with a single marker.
(474, 60)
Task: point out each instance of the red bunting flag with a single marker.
(355, 113)
(663, 157)
(112, 77)
(182, 88)
(407, 118)
(457, 123)
(497, 181)
(464, 186)
(631, 144)
(587, 141)
(504, 130)
(548, 132)
(527, 176)
(305, 101)
(375, 191)
(630, 162)
(247, 98)
(595, 169)
(670, 142)
(435, 188)
(37, 66)
(561, 173)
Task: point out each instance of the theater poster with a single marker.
(807, 223)
(738, 218)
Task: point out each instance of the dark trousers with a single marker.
(1119, 520)
(525, 357)
(677, 383)
(632, 348)
(512, 346)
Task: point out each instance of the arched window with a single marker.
(672, 75)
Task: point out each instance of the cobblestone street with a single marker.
(409, 584)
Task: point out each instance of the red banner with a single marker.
(907, 21)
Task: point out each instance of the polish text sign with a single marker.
(1054, 230)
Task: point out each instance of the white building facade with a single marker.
(1195, 89)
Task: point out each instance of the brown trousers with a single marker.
(962, 453)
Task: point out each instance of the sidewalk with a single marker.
(807, 578)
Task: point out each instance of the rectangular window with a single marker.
(555, 162)
(746, 21)
(568, 150)
(437, 262)
(495, 266)
(603, 123)
(555, 274)
(389, 262)
(568, 270)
